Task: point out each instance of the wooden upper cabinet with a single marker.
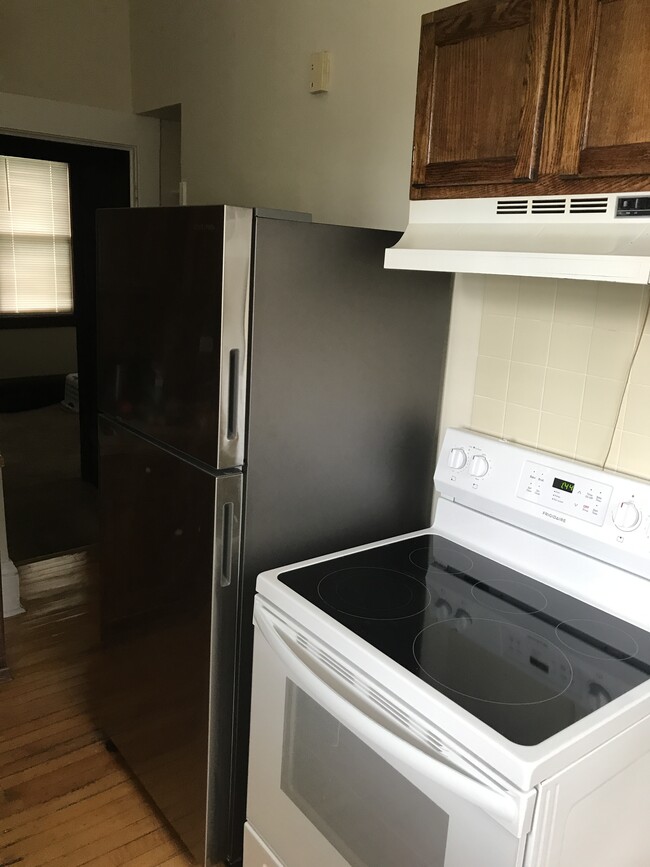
(604, 116)
(482, 83)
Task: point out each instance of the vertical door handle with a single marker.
(227, 529)
(233, 395)
(227, 544)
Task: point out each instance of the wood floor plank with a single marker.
(152, 858)
(65, 801)
(36, 820)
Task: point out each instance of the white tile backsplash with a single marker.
(531, 341)
(488, 415)
(521, 424)
(496, 336)
(492, 376)
(553, 365)
(576, 305)
(563, 392)
(536, 298)
(526, 384)
(610, 353)
(570, 347)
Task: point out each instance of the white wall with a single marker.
(70, 50)
(253, 134)
(46, 118)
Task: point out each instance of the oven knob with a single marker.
(479, 466)
(457, 459)
(443, 609)
(627, 516)
(464, 620)
(598, 696)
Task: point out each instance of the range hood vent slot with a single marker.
(589, 206)
(548, 206)
(512, 206)
(528, 207)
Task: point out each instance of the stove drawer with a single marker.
(256, 853)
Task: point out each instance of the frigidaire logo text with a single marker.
(555, 517)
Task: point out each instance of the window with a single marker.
(35, 237)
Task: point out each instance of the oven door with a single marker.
(338, 778)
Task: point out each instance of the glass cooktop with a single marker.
(522, 657)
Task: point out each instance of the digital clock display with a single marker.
(563, 485)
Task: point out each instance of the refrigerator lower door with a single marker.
(169, 565)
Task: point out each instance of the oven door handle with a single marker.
(511, 811)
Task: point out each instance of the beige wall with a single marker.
(253, 134)
(37, 352)
(170, 161)
(564, 366)
(71, 50)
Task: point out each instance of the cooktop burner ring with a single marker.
(427, 556)
(560, 659)
(391, 611)
(531, 600)
(626, 646)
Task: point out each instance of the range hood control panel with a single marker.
(631, 206)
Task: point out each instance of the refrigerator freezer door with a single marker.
(169, 574)
(173, 287)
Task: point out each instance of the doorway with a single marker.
(48, 370)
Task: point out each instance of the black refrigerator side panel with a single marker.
(347, 363)
(159, 296)
(165, 624)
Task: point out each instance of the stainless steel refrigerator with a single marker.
(268, 392)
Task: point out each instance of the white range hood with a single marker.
(599, 237)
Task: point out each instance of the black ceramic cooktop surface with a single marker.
(522, 657)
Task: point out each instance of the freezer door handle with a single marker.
(513, 811)
(233, 395)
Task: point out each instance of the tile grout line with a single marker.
(586, 374)
(509, 359)
(546, 365)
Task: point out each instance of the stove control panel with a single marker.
(603, 514)
(576, 496)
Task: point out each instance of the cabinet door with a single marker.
(481, 89)
(606, 131)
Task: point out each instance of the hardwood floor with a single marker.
(65, 800)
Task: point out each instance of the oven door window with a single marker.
(370, 813)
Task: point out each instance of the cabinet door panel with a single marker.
(608, 97)
(481, 89)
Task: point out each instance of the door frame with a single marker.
(67, 124)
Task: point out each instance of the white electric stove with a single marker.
(476, 695)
